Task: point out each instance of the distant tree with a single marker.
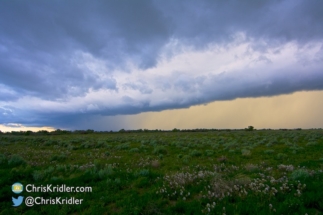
(28, 133)
(42, 132)
(250, 128)
(176, 130)
(122, 130)
(60, 131)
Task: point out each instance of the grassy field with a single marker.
(214, 172)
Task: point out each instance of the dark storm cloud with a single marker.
(39, 39)
(59, 50)
(103, 28)
(202, 22)
(263, 86)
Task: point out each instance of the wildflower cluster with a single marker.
(219, 186)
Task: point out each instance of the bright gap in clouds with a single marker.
(19, 127)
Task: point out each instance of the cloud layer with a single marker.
(64, 62)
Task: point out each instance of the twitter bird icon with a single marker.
(17, 201)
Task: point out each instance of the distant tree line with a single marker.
(90, 131)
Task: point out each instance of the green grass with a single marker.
(231, 172)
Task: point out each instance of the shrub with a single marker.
(38, 175)
(106, 171)
(16, 160)
(107, 146)
(98, 163)
(5, 143)
(134, 150)
(178, 144)
(312, 143)
(142, 146)
(287, 143)
(241, 179)
(86, 145)
(295, 149)
(2, 158)
(160, 150)
(251, 167)
(261, 142)
(269, 144)
(100, 144)
(230, 145)
(195, 153)
(153, 142)
(269, 151)
(155, 163)
(49, 170)
(117, 181)
(186, 159)
(122, 146)
(60, 167)
(60, 157)
(209, 152)
(71, 147)
(184, 148)
(299, 174)
(56, 179)
(50, 142)
(281, 156)
(245, 152)
(287, 168)
(142, 172)
(161, 156)
(222, 159)
(215, 146)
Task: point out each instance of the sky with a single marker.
(108, 65)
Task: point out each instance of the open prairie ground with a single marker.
(214, 172)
